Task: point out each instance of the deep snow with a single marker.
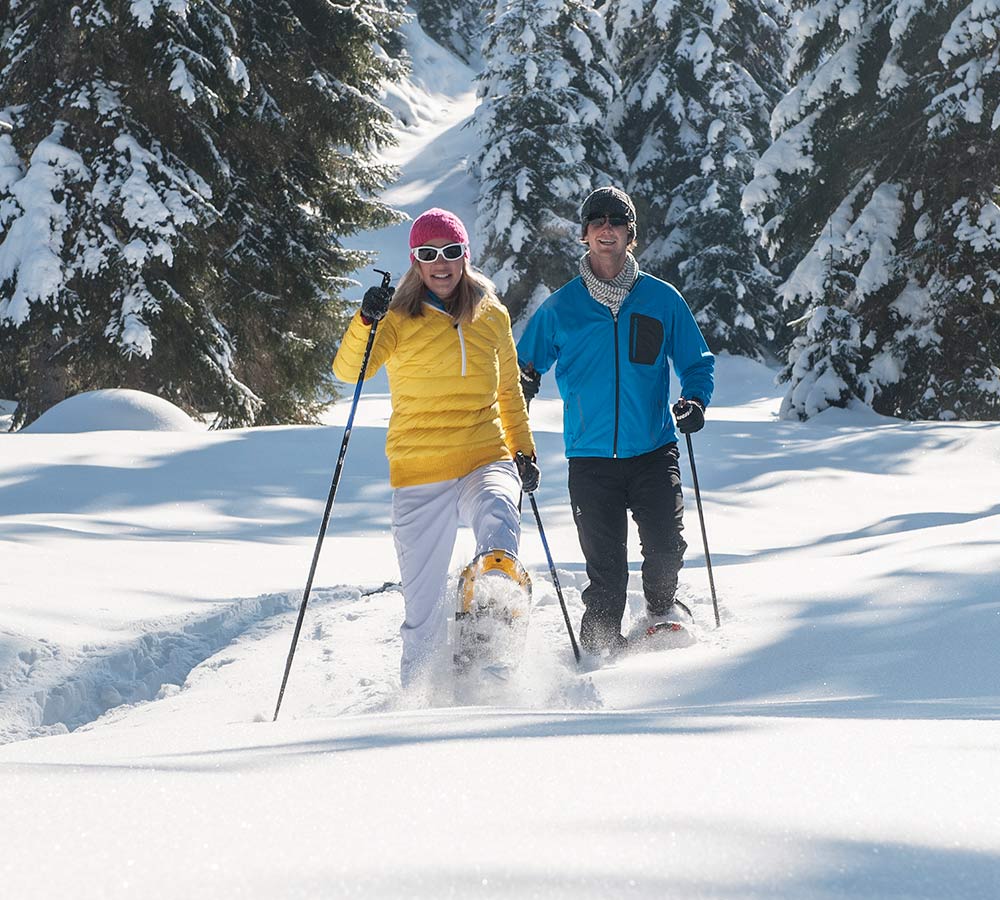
(837, 736)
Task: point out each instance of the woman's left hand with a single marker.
(530, 474)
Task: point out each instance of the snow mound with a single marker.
(113, 410)
(741, 380)
(855, 415)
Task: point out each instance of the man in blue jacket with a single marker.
(613, 333)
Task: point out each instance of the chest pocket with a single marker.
(645, 338)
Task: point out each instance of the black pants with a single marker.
(602, 491)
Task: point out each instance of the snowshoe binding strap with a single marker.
(500, 561)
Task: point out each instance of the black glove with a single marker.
(528, 470)
(690, 415)
(531, 381)
(375, 304)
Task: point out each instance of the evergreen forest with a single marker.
(819, 178)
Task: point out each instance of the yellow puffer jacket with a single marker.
(456, 391)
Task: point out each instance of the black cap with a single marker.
(608, 201)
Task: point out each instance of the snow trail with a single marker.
(49, 690)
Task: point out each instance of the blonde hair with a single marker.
(474, 290)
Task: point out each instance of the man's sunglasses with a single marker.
(600, 220)
(427, 254)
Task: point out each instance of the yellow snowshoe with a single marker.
(491, 615)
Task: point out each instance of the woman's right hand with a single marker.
(375, 304)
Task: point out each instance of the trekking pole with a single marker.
(552, 572)
(704, 536)
(386, 278)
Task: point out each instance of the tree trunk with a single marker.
(48, 380)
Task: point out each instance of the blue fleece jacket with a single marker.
(613, 375)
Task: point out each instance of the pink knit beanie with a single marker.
(437, 224)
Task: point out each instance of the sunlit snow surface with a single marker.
(836, 737)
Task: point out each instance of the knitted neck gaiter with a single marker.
(610, 293)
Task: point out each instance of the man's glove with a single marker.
(531, 381)
(528, 470)
(690, 415)
(375, 304)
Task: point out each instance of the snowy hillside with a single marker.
(434, 106)
(836, 737)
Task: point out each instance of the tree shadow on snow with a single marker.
(878, 534)
(747, 455)
(268, 483)
(753, 863)
(931, 656)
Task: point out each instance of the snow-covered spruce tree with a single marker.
(455, 24)
(699, 81)
(172, 194)
(884, 174)
(824, 356)
(542, 126)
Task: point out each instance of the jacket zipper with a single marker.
(614, 448)
(461, 343)
(614, 318)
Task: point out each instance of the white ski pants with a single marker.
(425, 521)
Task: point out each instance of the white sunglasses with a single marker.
(427, 254)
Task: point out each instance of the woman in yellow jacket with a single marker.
(458, 421)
